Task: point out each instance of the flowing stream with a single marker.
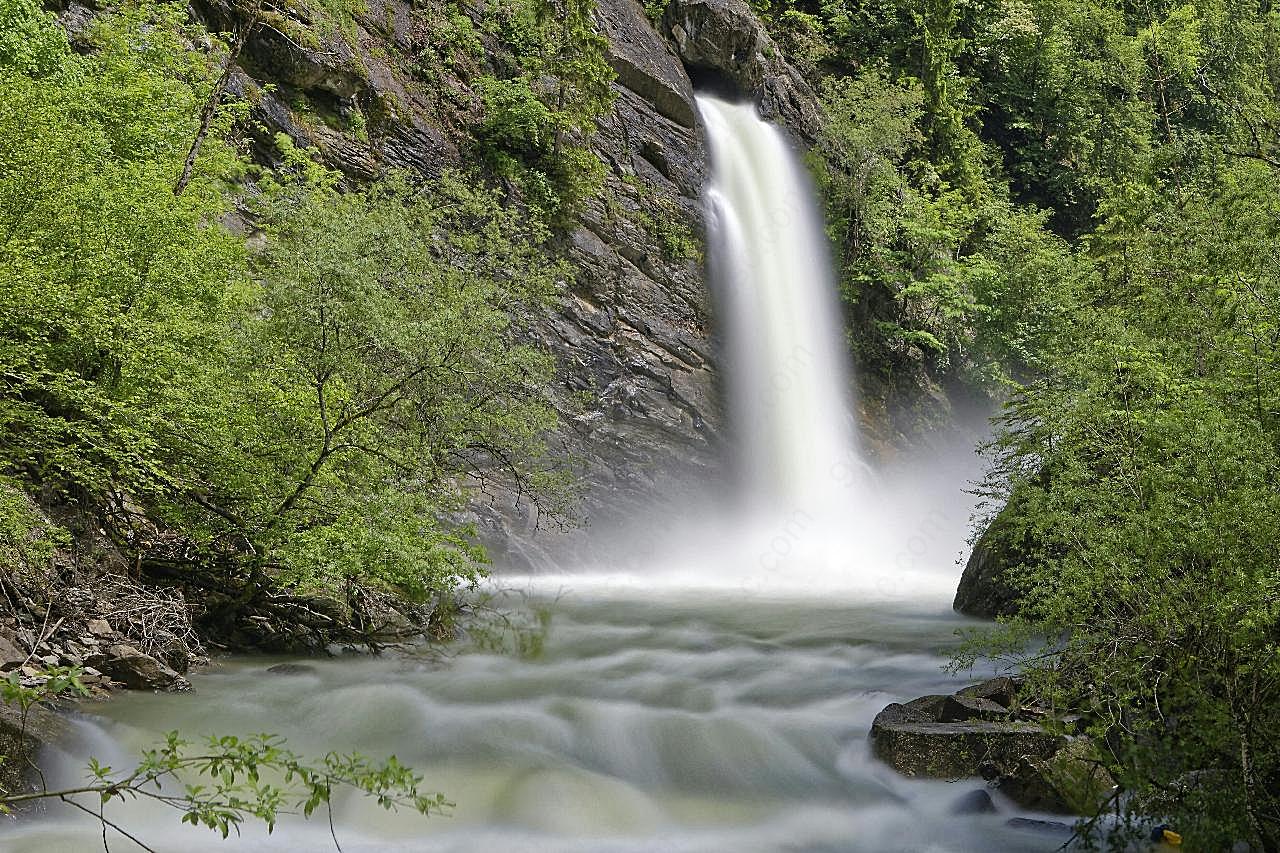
(717, 698)
(656, 725)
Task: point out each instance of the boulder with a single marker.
(977, 801)
(11, 652)
(1071, 781)
(292, 669)
(984, 731)
(960, 708)
(1002, 690)
(136, 670)
(174, 652)
(1044, 827)
(917, 743)
(984, 588)
(100, 628)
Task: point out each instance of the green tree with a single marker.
(113, 293)
(537, 121)
(1145, 467)
(375, 369)
(304, 413)
(969, 283)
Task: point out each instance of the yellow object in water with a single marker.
(1172, 838)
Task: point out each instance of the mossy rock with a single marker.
(915, 743)
(1071, 781)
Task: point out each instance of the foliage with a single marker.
(108, 283)
(376, 366)
(654, 10)
(536, 120)
(445, 39)
(27, 539)
(969, 282)
(1145, 467)
(666, 226)
(56, 682)
(303, 404)
(803, 37)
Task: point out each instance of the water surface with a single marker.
(711, 724)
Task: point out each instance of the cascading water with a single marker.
(787, 378)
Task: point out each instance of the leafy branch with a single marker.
(229, 780)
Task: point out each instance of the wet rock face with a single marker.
(644, 63)
(634, 334)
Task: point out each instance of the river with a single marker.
(672, 723)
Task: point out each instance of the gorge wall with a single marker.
(632, 332)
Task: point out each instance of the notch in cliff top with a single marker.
(714, 81)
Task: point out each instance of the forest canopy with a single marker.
(1080, 202)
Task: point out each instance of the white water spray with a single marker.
(785, 365)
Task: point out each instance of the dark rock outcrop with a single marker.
(1042, 827)
(291, 669)
(11, 653)
(726, 37)
(989, 586)
(984, 731)
(985, 589)
(915, 741)
(1003, 690)
(644, 63)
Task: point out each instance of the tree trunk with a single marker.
(211, 103)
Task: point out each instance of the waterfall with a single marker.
(808, 518)
(785, 367)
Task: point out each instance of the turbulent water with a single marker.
(656, 725)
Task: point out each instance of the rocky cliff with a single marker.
(632, 331)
